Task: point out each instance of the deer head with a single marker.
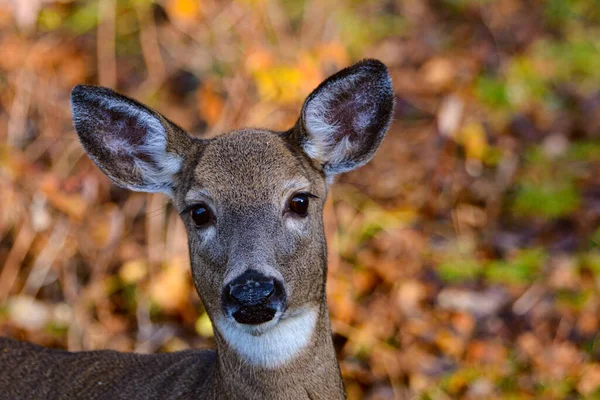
(251, 200)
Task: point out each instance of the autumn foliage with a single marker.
(464, 260)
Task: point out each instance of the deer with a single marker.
(252, 203)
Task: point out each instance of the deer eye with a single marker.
(299, 204)
(200, 215)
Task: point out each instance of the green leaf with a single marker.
(524, 267)
(459, 270)
(548, 200)
(84, 19)
(492, 91)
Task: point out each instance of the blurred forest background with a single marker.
(464, 260)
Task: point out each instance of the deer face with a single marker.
(253, 213)
(251, 200)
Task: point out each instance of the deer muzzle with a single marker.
(253, 298)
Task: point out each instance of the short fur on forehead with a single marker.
(126, 139)
(344, 120)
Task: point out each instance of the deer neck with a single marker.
(262, 369)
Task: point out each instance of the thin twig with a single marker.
(45, 258)
(107, 63)
(150, 48)
(19, 250)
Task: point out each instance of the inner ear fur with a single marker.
(134, 145)
(344, 120)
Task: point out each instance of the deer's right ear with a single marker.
(344, 120)
(135, 146)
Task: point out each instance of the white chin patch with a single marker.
(275, 346)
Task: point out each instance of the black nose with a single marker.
(251, 289)
(253, 298)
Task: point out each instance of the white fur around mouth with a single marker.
(273, 343)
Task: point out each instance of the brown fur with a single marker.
(241, 177)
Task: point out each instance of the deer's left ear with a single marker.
(344, 120)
